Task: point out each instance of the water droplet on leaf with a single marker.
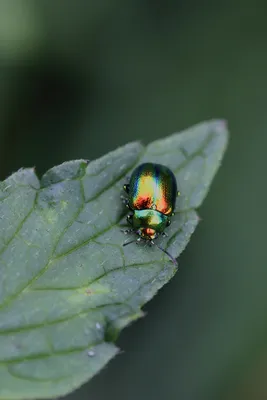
(91, 353)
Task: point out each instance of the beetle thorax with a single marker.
(149, 223)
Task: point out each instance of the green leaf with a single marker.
(67, 285)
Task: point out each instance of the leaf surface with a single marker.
(67, 286)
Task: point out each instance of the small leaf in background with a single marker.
(67, 285)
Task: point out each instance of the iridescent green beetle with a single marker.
(152, 192)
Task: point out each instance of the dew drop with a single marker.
(91, 353)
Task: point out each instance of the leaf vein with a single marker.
(20, 225)
(198, 152)
(41, 356)
(59, 320)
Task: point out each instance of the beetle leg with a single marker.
(129, 218)
(125, 201)
(127, 231)
(126, 188)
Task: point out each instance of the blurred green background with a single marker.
(79, 78)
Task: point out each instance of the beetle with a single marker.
(152, 192)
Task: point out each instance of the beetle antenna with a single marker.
(131, 241)
(168, 254)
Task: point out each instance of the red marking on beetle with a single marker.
(149, 232)
(144, 202)
(162, 206)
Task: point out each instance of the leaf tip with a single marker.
(221, 123)
(198, 219)
(220, 126)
